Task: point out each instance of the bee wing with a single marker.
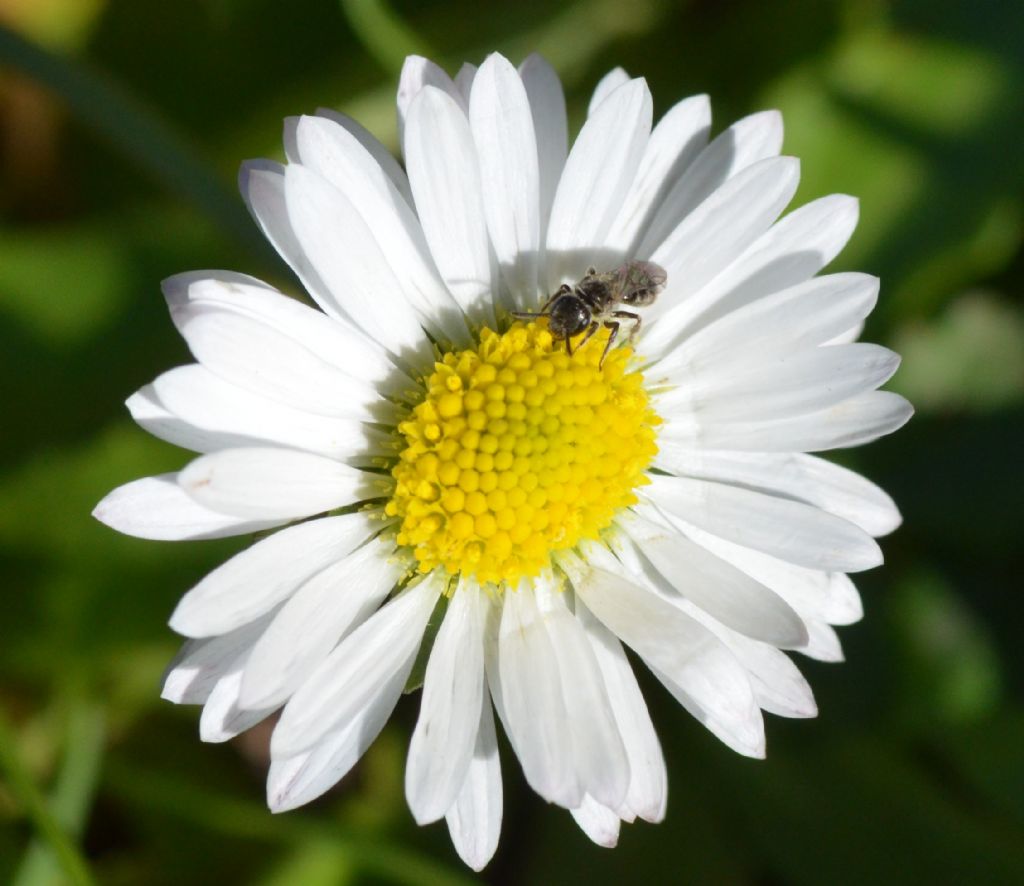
(648, 275)
(634, 277)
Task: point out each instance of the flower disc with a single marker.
(519, 450)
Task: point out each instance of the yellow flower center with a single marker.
(518, 451)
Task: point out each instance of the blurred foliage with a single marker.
(121, 125)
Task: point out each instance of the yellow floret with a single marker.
(518, 451)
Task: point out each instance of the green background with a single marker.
(122, 124)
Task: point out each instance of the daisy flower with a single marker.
(455, 484)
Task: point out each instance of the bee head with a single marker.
(569, 316)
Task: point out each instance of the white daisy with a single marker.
(436, 456)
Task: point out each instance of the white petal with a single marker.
(597, 822)
(597, 176)
(602, 767)
(474, 820)
(262, 185)
(418, 72)
(532, 705)
(335, 152)
(843, 601)
(801, 316)
(850, 423)
(722, 227)
(150, 414)
(813, 593)
(744, 735)
(260, 358)
(254, 581)
(787, 529)
(849, 335)
(192, 407)
(693, 664)
(297, 780)
(803, 382)
(830, 487)
(743, 144)
(222, 719)
(445, 177)
(676, 139)
(718, 588)
(352, 675)
(158, 508)
(359, 279)
(453, 691)
(778, 686)
(464, 83)
(648, 785)
(606, 86)
(274, 484)
(502, 123)
(547, 104)
(824, 643)
(337, 157)
(316, 617)
(382, 155)
(199, 664)
(333, 341)
(788, 254)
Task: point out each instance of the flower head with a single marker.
(432, 443)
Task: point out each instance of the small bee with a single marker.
(589, 303)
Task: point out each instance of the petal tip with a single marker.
(278, 798)
(175, 288)
(183, 621)
(99, 512)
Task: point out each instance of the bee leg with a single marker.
(590, 331)
(614, 327)
(629, 315)
(564, 289)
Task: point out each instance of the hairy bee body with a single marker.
(593, 302)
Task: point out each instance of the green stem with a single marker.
(34, 806)
(135, 130)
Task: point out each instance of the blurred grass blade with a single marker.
(312, 864)
(383, 34)
(135, 130)
(575, 37)
(24, 789)
(222, 814)
(71, 800)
